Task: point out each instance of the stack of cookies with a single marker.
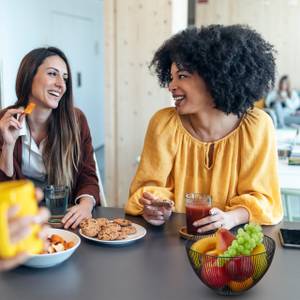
(107, 230)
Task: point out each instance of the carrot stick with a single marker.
(29, 108)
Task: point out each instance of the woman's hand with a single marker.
(219, 218)
(19, 228)
(153, 214)
(78, 212)
(10, 126)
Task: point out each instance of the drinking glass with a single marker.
(197, 206)
(56, 198)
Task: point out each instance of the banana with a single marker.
(260, 260)
(213, 252)
(205, 244)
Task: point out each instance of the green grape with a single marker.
(257, 239)
(244, 251)
(240, 231)
(233, 252)
(252, 243)
(247, 245)
(247, 252)
(241, 248)
(246, 236)
(240, 240)
(247, 239)
(234, 244)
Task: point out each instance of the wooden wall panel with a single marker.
(134, 30)
(277, 20)
(141, 26)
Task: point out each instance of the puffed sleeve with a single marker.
(156, 162)
(258, 188)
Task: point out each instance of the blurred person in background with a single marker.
(285, 103)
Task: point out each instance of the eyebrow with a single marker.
(182, 70)
(65, 74)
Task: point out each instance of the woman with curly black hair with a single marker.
(214, 141)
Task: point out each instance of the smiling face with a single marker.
(189, 91)
(49, 83)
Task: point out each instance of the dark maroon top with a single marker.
(85, 179)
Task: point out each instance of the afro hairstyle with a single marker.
(236, 63)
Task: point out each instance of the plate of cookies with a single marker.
(113, 232)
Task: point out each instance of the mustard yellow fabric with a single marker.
(260, 103)
(243, 171)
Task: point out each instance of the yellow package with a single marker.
(19, 193)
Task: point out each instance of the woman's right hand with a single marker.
(10, 126)
(153, 214)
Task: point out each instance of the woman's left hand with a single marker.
(216, 220)
(77, 213)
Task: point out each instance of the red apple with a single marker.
(239, 268)
(224, 238)
(214, 276)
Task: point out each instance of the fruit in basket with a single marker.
(246, 240)
(239, 268)
(205, 244)
(224, 238)
(213, 274)
(260, 260)
(239, 286)
(213, 252)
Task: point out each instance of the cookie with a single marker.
(121, 235)
(122, 222)
(102, 221)
(90, 227)
(107, 235)
(129, 230)
(90, 231)
(83, 223)
(103, 236)
(113, 227)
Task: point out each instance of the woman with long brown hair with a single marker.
(52, 145)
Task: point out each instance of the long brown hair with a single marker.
(61, 154)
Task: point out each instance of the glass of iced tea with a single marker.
(197, 207)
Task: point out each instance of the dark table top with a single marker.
(155, 267)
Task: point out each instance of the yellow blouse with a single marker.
(243, 172)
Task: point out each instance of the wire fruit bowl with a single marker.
(231, 275)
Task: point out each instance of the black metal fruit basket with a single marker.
(234, 275)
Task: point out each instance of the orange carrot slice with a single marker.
(29, 108)
(55, 239)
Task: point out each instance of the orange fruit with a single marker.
(239, 286)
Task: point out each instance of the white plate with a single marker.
(140, 233)
(53, 259)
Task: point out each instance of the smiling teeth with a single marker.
(54, 93)
(178, 98)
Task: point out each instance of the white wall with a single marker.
(25, 25)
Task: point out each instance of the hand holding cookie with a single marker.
(156, 210)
